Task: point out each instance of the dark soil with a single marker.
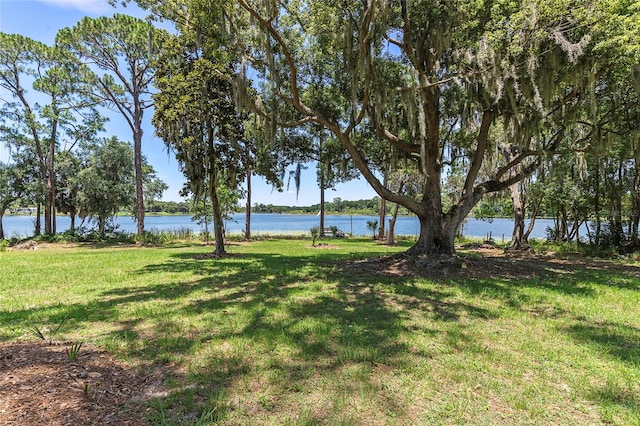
(40, 385)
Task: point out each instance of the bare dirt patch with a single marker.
(40, 385)
(325, 246)
(484, 261)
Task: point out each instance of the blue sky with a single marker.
(41, 20)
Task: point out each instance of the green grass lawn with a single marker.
(283, 333)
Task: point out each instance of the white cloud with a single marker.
(97, 7)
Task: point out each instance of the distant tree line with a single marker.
(169, 207)
(370, 207)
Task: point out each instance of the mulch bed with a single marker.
(40, 385)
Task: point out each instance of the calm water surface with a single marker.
(264, 224)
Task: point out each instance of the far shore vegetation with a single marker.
(498, 207)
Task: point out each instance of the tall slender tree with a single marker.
(262, 159)
(195, 115)
(66, 116)
(122, 48)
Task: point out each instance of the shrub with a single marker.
(373, 227)
(315, 231)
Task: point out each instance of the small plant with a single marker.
(36, 331)
(74, 351)
(315, 231)
(4, 244)
(183, 233)
(85, 385)
(372, 225)
(153, 238)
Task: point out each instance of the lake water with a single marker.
(265, 224)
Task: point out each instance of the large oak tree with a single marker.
(448, 70)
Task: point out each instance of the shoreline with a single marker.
(294, 213)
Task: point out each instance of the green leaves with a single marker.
(121, 46)
(106, 182)
(15, 178)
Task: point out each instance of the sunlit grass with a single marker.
(283, 333)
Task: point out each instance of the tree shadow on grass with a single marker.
(577, 278)
(624, 397)
(306, 315)
(302, 314)
(612, 340)
(512, 280)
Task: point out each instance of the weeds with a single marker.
(39, 333)
(35, 330)
(74, 351)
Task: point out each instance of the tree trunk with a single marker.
(596, 204)
(434, 241)
(616, 194)
(391, 240)
(47, 210)
(635, 195)
(38, 229)
(217, 217)
(564, 227)
(532, 222)
(383, 211)
(137, 161)
(49, 204)
(575, 227)
(321, 233)
(517, 237)
(51, 180)
(437, 235)
(50, 209)
(136, 127)
(101, 225)
(1, 227)
(383, 214)
(517, 191)
(247, 221)
(635, 213)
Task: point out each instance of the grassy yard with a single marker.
(283, 333)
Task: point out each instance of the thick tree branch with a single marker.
(268, 27)
(482, 143)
